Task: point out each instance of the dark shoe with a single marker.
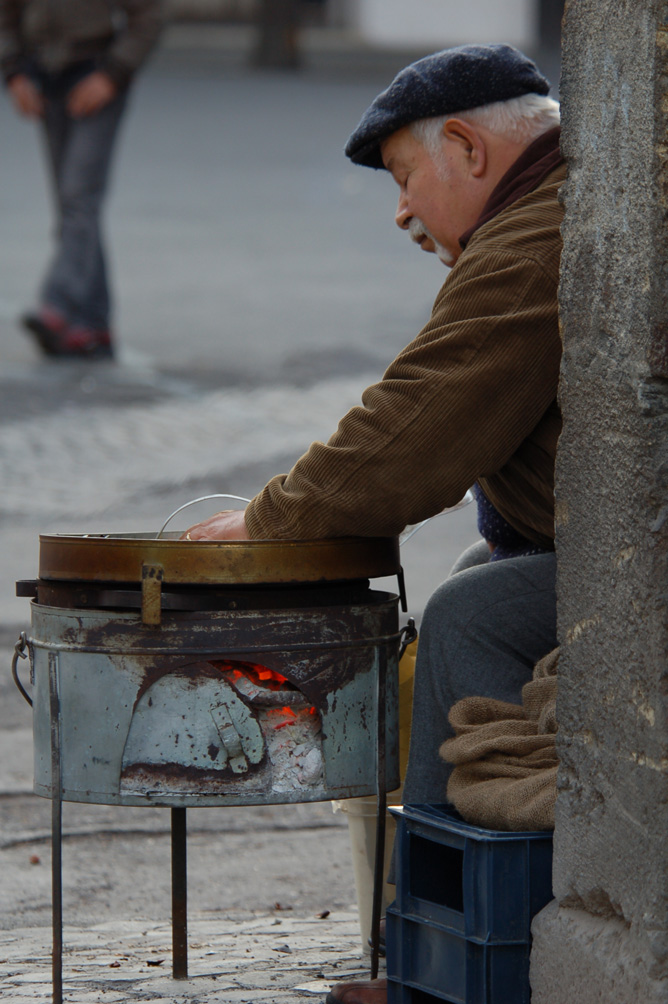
(360, 992)
(48, 325)
(56, 338)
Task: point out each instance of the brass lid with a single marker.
(120, 557)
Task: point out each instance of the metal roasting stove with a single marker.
(188, 673)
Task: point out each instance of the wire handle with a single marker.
(20, 653)
(403, 537)
(407, 635)
(204, 498)
(408, 531)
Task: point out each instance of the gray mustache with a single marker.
(417, 229)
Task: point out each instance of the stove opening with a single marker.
(236, 725)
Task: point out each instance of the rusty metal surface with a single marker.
(119, 558)
(150, 716)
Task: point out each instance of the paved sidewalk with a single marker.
(258, 959)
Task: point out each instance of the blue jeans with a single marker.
(482, 632)
(80, 153)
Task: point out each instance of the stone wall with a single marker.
(605, 939)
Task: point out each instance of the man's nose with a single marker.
(402, 217)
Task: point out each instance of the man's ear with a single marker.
(469, 144)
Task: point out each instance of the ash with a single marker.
(294, 749)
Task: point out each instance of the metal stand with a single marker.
(179, 896)
(179, 834)
(179, 887)
(179, 859)
(56, 834)
(408, 634)
(57, 900)
(379, 861)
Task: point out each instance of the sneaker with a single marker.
(88, 343)
(57, 338)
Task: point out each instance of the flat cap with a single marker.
(443, 84)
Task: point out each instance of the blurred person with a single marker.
(70, 63)
(471, 138)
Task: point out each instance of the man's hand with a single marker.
(26, 96)
(227, 525)
(91, 94)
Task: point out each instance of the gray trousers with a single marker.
(80, 153)
(482, 632)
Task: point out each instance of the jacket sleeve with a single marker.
(144, 22)
(452, 407)
(12, 57)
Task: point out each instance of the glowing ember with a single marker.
(252, 671)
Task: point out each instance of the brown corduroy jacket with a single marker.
(472, 398)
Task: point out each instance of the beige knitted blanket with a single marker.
(505, 774)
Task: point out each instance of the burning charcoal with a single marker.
(262, 686)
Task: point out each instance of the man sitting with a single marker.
(472, 140)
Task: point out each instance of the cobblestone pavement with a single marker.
(240, 960)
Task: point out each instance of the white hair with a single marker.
(520, 120)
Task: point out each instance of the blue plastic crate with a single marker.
(484, 885)
(428, 964)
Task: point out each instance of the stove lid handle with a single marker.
(203, 498)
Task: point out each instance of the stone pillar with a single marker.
(605, 938)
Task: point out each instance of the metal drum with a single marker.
(212, 673)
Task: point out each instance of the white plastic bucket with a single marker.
(361, 816)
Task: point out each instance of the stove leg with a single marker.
(381, 785)
(57, 899)
(56, 833)
(179, 896)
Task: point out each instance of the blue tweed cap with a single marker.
(444, 84)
